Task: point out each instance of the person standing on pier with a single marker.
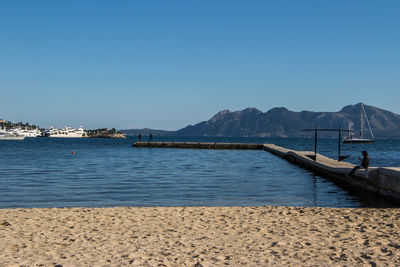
(140, 138)
(150, 137)
(364, 162)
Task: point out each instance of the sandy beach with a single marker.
(199, 236)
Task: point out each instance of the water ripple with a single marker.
(44, 173)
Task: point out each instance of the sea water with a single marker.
(48, 172)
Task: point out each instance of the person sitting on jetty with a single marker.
(364, 163)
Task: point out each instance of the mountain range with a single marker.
(281, 122)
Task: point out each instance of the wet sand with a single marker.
(199, 236)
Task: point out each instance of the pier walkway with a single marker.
(201, 145)
(384, 181)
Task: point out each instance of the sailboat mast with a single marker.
(361, 121)
(361, 139)
(350, 134)
(369, 126)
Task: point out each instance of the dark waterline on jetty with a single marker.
(103, 173)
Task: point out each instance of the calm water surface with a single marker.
(43, 172)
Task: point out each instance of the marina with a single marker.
(17, 133)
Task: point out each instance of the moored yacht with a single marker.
(66, 132)
(7, 135)
(351, 139)
(27, 132)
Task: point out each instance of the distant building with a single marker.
(2, 121)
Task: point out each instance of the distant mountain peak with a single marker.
(278, 109)
(353, 108)
(252, 109)
(281, 122)
(220, 114)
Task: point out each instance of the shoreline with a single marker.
(202, 236)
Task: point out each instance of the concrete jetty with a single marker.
(200, 145)
(384, 181)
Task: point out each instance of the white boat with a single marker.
(27, 132)
(351, 140)
(10, 136)
(65, 132)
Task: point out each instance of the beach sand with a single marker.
(199, 236)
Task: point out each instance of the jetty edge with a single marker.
(383, 181)
(200, 145)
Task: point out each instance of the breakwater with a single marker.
(384, 181)
(200, 145)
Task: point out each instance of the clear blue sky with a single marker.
(167, 64)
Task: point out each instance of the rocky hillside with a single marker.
(281, 122)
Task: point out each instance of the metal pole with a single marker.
(315, 142)
(339, 141)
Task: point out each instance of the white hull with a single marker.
(28, 133)
(357, 140)
(11, 137)
(65, 136)
(7, 135)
